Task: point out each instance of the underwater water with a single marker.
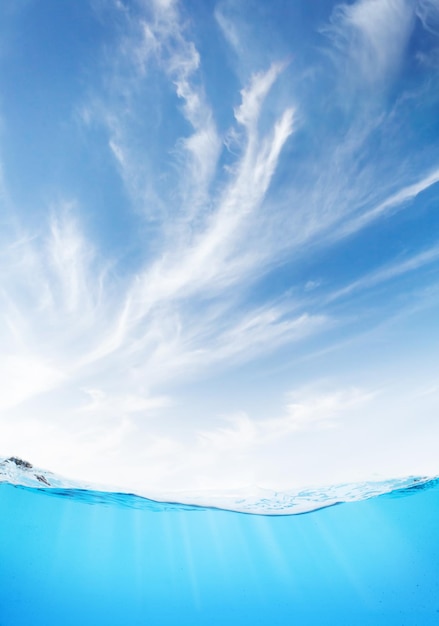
(75, 558)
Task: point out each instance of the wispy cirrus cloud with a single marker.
(372, 36)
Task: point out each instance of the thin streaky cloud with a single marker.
(384, 274)
(395, 202)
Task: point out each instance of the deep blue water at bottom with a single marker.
(63, 562)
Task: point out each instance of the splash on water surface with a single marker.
(20, 473)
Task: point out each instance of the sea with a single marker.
(80, 557)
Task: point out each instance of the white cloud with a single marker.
(373, 35)
(307, 409)
(253, 96)
(228, 29)
(161, 40)
(312, 409)
(70, 258)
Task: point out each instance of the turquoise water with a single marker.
(73, 559)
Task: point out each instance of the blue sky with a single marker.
(219, 240)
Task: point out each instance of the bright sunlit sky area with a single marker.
(219, 229)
